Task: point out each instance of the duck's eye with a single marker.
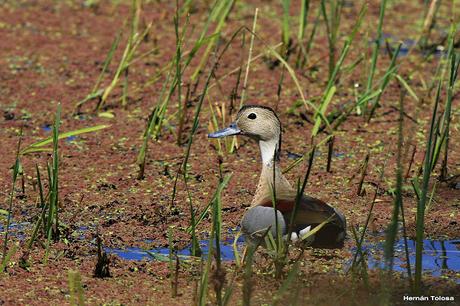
(252, 116)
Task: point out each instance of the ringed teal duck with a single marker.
(263, 125)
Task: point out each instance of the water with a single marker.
(47, 128)
(438, 258)
(17, 230)
(135, 253)
(406, 45)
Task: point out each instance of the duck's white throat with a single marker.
(267, 150)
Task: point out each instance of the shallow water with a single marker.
(16, 230)
(134, 253)
(439, 257)
(406, 45)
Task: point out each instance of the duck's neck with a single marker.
(271, 175)
(269, 151)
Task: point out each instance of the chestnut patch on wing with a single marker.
(284, 206)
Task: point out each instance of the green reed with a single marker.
(180, 115)
(217, 274)
(438, 133)
(444, 127)
(285, 27)
(52, 221)
(16, 171)
(420, 214)
(334, 71)
(332, 12)
(302, 52)
(376, 48)
(392, 229)
(76, 290)
(218, 14)
(246, 74)
(183, 168)
(45, 198)
(430, 11)
(283, 293)
(173, 83)
(173, 260)
(247, 275)
(383, 84)
(135, 38)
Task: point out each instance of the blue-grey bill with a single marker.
(229, 131)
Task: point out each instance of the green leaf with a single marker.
(408, 88)
(37, 146)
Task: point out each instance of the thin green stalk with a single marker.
(386, 79)
(300, 191)
(420, 215)
(16, 166)
(393, 227)
(361, 253)
(220, 15)
(376, 49)
(304, 8)
(43, 205)
(96, 92)
(406, 245)
(173, 273)
(312, 36)
(76, 291)
(214, 249)
(279, 298)
(285, 27)
(53, 207)
(7, 256)
(246, 74)
(178, 71)
(454, 60)
(330, 88)
(332, 21)
(134, 40)
(40, 146)
(219, 274)
(247, 275)
(141, 156)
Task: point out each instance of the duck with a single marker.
(262, 124)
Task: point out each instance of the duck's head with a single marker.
(260, 123)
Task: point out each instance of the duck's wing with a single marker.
(309, 211)
(315, 211)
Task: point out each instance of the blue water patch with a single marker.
(70, 138)
(292, 155)
(135, 253)
(439, 257)
(17, 230)
(406, 45)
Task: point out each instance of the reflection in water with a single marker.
(438, 256)
(134, 253)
